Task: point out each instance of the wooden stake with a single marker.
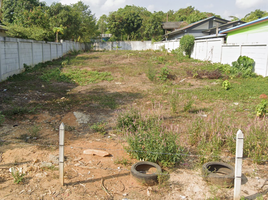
(238, 164)
(61, 153)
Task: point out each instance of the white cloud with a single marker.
(151, 8)
(112, 4)
(244, 4)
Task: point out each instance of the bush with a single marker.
(261, 108)
(164, 74)
(148, 140)
(155, 145)
(244, 66)
(187, 44)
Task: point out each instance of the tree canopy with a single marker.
(32, 19)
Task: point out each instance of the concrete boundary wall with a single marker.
(215, 50)
(14, 53)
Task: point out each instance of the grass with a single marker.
(189, 111)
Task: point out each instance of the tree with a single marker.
(255, 15)
(103, 24)
(132, 23)
(154, 28)
(187, 43)
(58, 30)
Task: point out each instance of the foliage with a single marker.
(84, 77)
(31, 19)
(243, 65)
(17, 174)
(226, 85)
(187, 44)
(150, 141)
(261, 108)
(164, 74)
(132, 121)
(257, 14)
(99, 127)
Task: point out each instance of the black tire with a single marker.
(139, 169)
(218, 173)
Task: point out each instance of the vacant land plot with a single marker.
(147, 105)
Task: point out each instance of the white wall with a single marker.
(215, 51)
(16, 52)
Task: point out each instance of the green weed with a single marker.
(122, 161)
(226, 85)
(99, 127)
(17, 175)
(261, 108)
(164, 74)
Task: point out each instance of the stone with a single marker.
(96, 152)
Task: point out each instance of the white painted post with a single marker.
(61, 153)
(238, 164)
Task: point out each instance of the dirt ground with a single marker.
(93, 176)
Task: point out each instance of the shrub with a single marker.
(186, 44)
(148, 139)
(244, 66)
(226, 85)
(164, 74)
(99, 127)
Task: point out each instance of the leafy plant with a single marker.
(99, 127)
(187, 44)
(156, 145)
(226, 85)
(244, 65)
(160, 59)
(261, 108)
(164, 74)
(17, 174)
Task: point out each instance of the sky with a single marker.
(224, 8)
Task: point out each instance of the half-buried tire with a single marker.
(218, 173)
(146, 172)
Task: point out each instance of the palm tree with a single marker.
(58, 30)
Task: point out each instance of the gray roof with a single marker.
(196, 23)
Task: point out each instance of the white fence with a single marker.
(215, 50)
(16, 52)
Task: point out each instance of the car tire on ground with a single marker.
(218, 173)
(146, 172)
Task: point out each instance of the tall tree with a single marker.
(103, 24)
(255, 15)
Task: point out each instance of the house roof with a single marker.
(245, 25)
(223, 25)
(210, 36)
(196, 23)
